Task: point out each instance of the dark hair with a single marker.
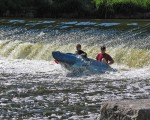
(78, 45)
(103, 48)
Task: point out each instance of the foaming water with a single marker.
(41, 90)
(132, 57)
(32, 86)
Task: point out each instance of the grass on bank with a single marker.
(142, 3)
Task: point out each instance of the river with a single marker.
(33, 86)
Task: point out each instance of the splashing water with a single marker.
(132, 57)
(32, 86)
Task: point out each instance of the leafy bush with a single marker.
(72, 8)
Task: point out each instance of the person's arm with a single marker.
(111, 61)
(84, 54)
(97, 57)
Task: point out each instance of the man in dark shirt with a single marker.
(79, 51)
(104, 57)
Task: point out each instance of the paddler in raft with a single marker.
(80, 52)
(104, 57)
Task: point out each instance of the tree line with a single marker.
(73, 9)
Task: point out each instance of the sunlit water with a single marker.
(32, 86)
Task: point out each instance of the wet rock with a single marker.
(126, 110)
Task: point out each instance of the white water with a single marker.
(32, 86)
(29, 75)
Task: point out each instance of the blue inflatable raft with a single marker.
(73, 61)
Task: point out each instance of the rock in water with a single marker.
(126, 110)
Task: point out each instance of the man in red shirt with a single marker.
(104, 57)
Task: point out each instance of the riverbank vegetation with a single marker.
(75, 8)
(123, 8)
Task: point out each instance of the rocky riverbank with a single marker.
(126, 110)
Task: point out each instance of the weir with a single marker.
(131, 57)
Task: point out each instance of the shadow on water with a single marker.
(84, 71)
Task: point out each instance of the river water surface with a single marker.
(33, 87)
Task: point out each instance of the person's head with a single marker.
(103, 49)
(78, 47)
